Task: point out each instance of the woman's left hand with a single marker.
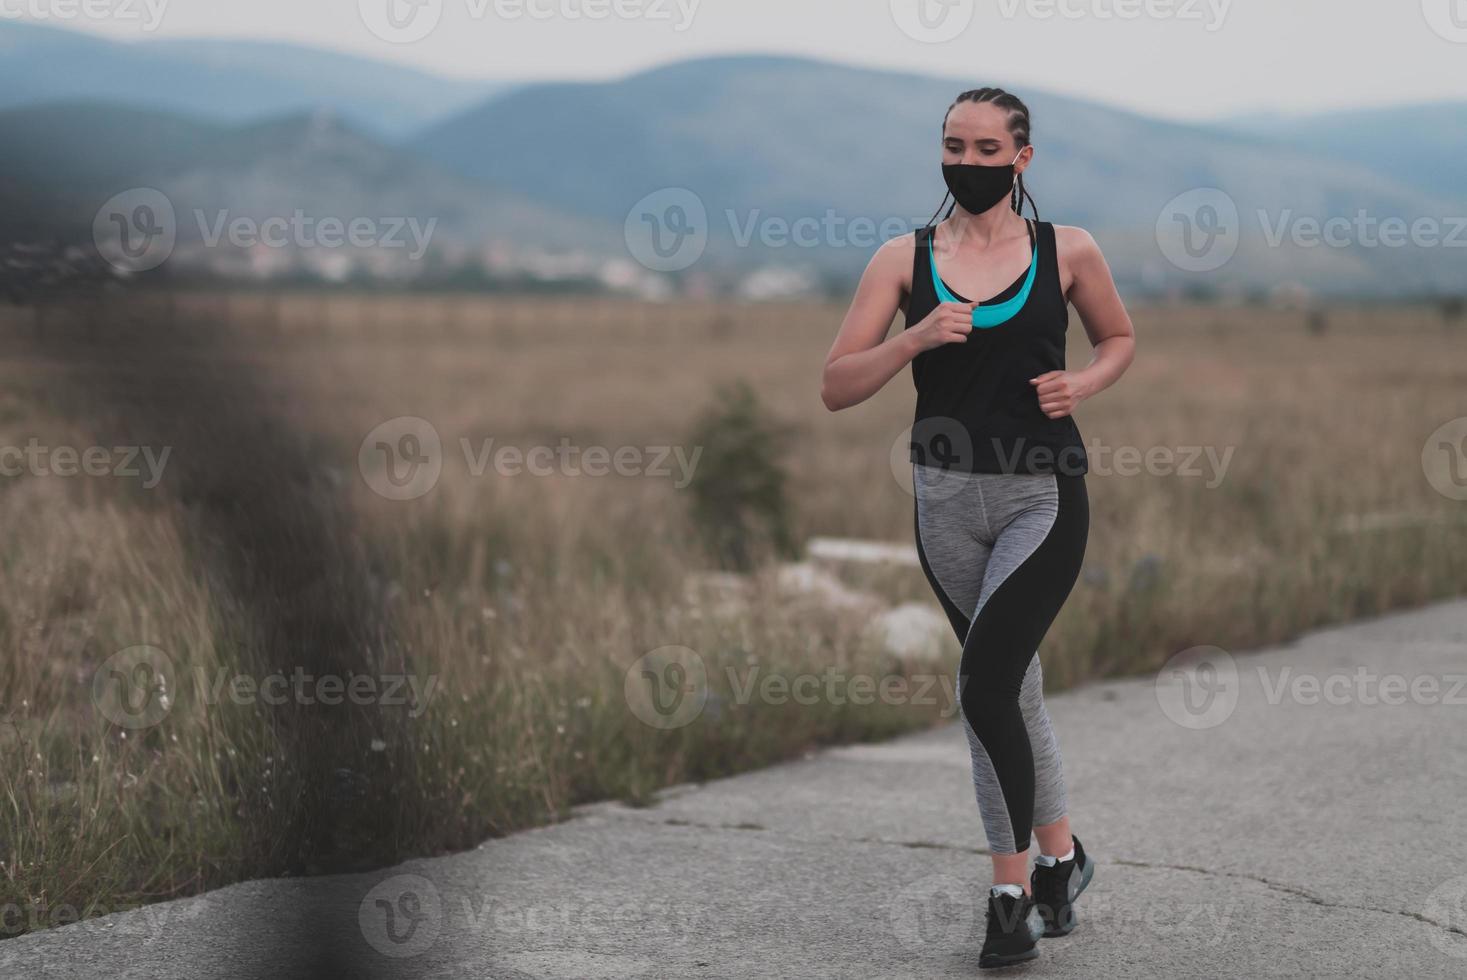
(1059, 392)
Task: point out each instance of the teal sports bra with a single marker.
(988, 317)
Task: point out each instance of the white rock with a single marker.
(914, 630)
(810, 581)
(863, 552)
(720, 593)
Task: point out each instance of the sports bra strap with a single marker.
(987, 317)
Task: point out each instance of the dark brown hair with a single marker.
(1018, 128)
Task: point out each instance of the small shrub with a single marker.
(739, 504)
(1453, 308)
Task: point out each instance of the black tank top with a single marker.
(976, 410)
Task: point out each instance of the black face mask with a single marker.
(977, 188)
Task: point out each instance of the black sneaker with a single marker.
(1013, 931)
(1057, 887)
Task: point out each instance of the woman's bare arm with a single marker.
(1112, 335)
(863, 358)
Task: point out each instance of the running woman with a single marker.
(1001, 511)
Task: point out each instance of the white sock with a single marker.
(1050, 862)
(1012, 891)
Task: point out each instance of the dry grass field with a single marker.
(523, 599)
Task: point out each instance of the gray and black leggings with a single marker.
(1002, 552)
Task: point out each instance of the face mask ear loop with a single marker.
(1016, 199)
(1021, 193)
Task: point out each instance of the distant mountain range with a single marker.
(762, 143)
(789, 138)
(224, 81)
(1421, 145)
(71, 158)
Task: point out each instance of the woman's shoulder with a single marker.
(894, 256)
(905, 243)
(1073, 242)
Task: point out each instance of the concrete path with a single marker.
(1303, 817)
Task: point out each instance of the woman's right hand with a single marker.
(863, 357)
(948, 323)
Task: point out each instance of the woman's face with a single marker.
(978, 133)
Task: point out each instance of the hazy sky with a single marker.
(1181, 58)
